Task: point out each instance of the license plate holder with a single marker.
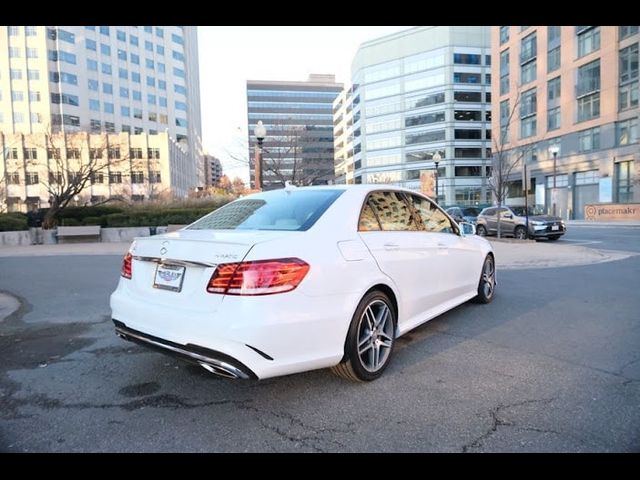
(169, 277)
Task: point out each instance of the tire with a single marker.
(363, 365)
(520, 232)
(554, 237)
(487, 283)
(481, 230)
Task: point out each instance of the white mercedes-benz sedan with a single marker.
(297, 279)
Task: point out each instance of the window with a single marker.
(178, 72)
(429, 217)
(159, 49)
(65, 98)
(33, 74)
(15, 74)
(104, 30)
(35, 117)
(589, 140)
(13, 178)
(392, 211)
(589, 107)
(126, 128)
(627, 132)
(460, 134)
(113, 152)
(123, 73)
(14, 31)
(149, 63)
(96, 177)
(30, 154)
(624, 32)
(177, 55)
(588, 41)
(137, 177)
(553, 35)
(73, 153)
(181, 122)
(31, 31)
(133, 40)
(17, 96)
(122, 55)
(135, 59)
(115, 177)
(109, 127)
(177, 39)
(124, 92)
(468, 153)
(588, 91)
(151, 81)
(183, 91)
(107, 88)
(553, 90)
(135, 77)
(93, 85)
(528, 109)
(161, 67)
(14, 52)
(628, 96)
(425, 137)
(368, 220)
(148, 29)
(125, 111)
(468, 115)
(151, 99)
(137, 113)
(153, 152)
(32, 53)
(553, 118)
(504, 34)
(553, 59)
(106, 69)
(425, 119)
(148, 45)
(467, 58)
(120, 35)
(162, 85)
(471, 171)
(181, 106)
(587, 178)
(623, 182)
(34, 96)
(94, 105)
(31, 178)
(92, 65)
(105, 49)
(528, 72)
(162, 101)
(461, 77)
(96, 126)
(471, 97)
(528, 48)
(154, 177)
(95, 153)
(136, 153)
(53, 153)
(629, 63)
(159, 32)
(108, 107)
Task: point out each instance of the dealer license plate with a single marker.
(169, 277)
(555, 227)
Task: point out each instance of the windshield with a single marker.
(275, 210)
(470, 211)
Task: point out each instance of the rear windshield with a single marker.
(295, 210)
(470, 211)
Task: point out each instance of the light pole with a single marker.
(260, 132)
(436, 161)
(554, 151)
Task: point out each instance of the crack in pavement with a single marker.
(496, 422)
(309, 440)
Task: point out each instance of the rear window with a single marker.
(470, 212)
(295, 210)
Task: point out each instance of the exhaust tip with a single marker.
(217, 370)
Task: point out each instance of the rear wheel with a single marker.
(520, 232)
(370, 339)
(487, 284)
(481, 230)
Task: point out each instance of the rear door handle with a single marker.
(391, 246)
(442, 245)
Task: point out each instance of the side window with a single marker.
(433, 218)
(392, 211)
(368, 221)
(490, 212)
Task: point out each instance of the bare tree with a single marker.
(505, 161)
(69, 172)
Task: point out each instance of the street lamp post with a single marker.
(260, 132)
(554, 151)
(436, 161)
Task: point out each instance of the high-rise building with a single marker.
(418, 97)
(212, 170)
(572, 90)
(343, 136)
(141, 80)
(298, 146)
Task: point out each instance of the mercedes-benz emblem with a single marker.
(163, 251)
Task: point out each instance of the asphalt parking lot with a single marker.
(552, 365)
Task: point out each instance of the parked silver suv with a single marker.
(513, 221)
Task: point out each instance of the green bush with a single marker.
(10, 222)
(93, 220)
(69, 222)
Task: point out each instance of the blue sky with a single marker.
(229, 56)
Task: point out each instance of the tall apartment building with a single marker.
(419, 94)
(298, 117)
(212, 170)
(573, 90)
(141, 80)
(343, 136)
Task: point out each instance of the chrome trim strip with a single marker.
(182, 263)
(200, 358)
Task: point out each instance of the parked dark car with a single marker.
(513, 222)
(464, 214)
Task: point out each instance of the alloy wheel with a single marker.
(375, 336)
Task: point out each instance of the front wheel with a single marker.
(481, 230)
(520, 233)
(487, 284)
(370, 339)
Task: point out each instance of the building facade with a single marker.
(141, 80)
(298, 146)
(572, 90)
(343, 136)
(212, 170)
(420, 96)
(117, 165)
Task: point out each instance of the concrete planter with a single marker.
(123, 234)
(15, 238)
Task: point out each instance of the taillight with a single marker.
(126, 266)
(261, 277)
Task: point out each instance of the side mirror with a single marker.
(468, 228)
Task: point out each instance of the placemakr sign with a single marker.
(612, 211)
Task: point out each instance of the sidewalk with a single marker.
(589, 223)
(97, 248)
